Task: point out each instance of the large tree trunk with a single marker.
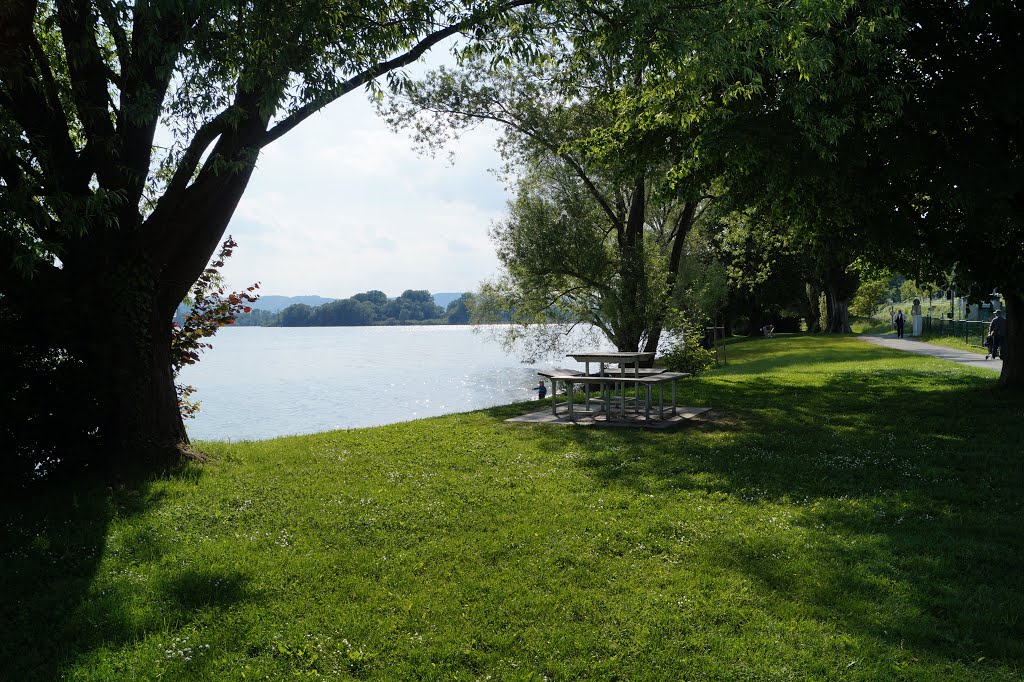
(813, 308)
(122, 333)
(127, 285)
(142, 421)
(632, 306)
(101, 395)
(839, 312)
(1012, 375)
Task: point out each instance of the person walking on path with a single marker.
(997, 328)
(900, 320)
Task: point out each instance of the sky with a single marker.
(341, 205)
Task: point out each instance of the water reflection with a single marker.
(261, 382)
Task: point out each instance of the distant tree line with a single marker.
(365, 309)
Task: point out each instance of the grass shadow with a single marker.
(198, 589)
(54, 539)
(903, 487)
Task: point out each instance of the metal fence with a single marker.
(973, 332)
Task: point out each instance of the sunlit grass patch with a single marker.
(850, 513)
(973, 345)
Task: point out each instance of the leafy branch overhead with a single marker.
(128, 134)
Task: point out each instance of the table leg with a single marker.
(622, 382)
(606, 393)
(673, 397)
(647, 403)
(636, 387)
(586, 387)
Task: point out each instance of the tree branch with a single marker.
(46, 73)
(110, 20)
(87, 69)
(201, 141)
(379, 69)
(47, 132)
(555, 149)
(155, 44)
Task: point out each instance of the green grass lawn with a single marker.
(850, 513)
(956, 342)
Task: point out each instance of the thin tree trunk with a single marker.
(830, 315)
(683, 226)
(651, 346)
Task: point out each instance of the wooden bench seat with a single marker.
(561, 372)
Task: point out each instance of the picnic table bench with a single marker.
(610, 384)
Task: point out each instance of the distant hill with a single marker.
(276, 304)
(444, 299)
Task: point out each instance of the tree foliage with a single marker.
(588, 237)
(371, 307)
(128, 133)
(460, 311)
(882, 130)
(686, 351)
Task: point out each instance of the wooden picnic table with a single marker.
(611, 384)
(624, 359)
(621, 358)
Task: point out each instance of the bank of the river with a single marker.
(851, 513)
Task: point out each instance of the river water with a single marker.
(262, 382)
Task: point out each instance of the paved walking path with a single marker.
(920, 347)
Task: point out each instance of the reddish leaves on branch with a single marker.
(211, 310)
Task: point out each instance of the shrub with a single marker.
(685, 351)
(870, 296)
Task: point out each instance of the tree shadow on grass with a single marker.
(195, 590)
(52, 610)
(903, 489)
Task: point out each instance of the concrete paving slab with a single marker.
(909, 345)
(592, 418)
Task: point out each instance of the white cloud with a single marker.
(342, 205)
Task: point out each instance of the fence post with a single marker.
(716, 345)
